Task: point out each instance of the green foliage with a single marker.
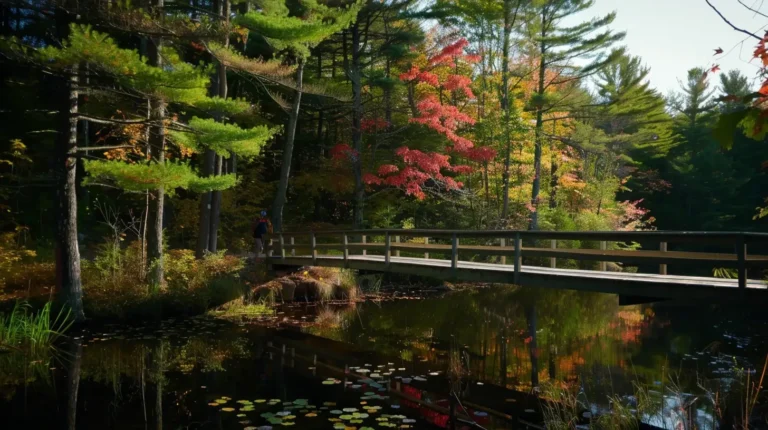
(314, 23)
(22, 328)
(150, 176)
(115, 285)
(177, 81)
(225, 139)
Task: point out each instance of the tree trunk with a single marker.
(224, 9)
(205, 207)
(285, 169)
(356, 76)
(157, 144)
(68, 281)
(505, 105)
(388, 98)
(536, 188)
(213, 235)
(553, 178)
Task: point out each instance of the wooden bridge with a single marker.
(633, 264)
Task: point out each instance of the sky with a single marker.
(672, 36)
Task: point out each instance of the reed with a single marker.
(23, 328)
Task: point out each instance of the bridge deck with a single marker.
(630, 284)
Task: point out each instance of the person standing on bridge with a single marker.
(261, 227)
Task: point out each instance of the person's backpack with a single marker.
(261, 228)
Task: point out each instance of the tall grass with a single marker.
(23, 328)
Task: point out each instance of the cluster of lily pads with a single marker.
(341, 418)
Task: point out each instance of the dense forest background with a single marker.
(172, 124)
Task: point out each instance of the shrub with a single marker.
(115, 285)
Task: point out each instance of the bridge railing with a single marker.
(511, 243)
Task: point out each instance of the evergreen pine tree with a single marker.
(557, 47)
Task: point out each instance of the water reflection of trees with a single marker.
(132, 373)
(533, 334)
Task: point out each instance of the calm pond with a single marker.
(386, 363)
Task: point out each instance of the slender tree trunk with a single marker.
(213, 235)
(285, 169)
(536, 188)
(205, 207)
(68, 281)
(224, 9)
(356, 76)
(157, 143)
(388, 98)
(553, 178)
(505, 105)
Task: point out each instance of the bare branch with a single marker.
(729, 22)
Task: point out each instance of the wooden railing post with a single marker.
(313, 244)
(663, 267)
(518, 258)
(387, 247)
(603, 264)
(293, 246)
(553, 260)
(346, 250)
(397, 251)
(454, 254)
(282, 246)
(503, 243)
(363, 242)
(426, 242)
(741, 257)
(269, 247)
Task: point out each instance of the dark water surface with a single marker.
(384, 365)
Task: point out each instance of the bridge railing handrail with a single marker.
(722, 237)
(392, 245)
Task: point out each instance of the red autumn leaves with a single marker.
(437, 112)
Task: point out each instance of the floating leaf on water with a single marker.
(395, 406)
(274, 420)
(241, 415)
(434, 373)
(245, 422)
(286, 423)
(336, 412)
(355, 386)
(375, 375)
(360, 416)
(363, 403)
(402, 369)
(244, 402)
(340, 426)
(350, 409)
(355, 421)
(260, 401)
(213, 404)
(311, 415)
(282, 413)
(227, 409)
(334, 420)
(346, 417)
(329, 403)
